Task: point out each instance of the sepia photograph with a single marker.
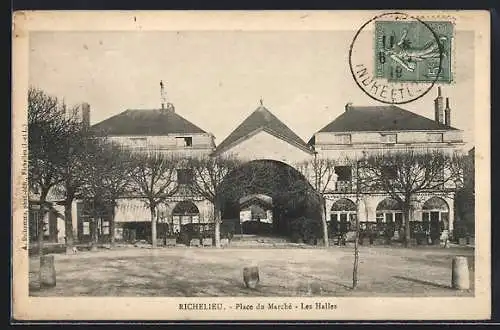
(263, 165)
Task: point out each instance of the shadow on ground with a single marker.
(196, 272)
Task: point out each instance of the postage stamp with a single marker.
(416, 51)
(396, 58)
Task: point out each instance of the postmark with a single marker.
(409, 51)
(396, 58)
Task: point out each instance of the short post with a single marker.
(460, 273)
(251, 276)
(47, 272)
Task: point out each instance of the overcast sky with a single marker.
(215, 79)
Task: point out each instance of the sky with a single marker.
(215, 79)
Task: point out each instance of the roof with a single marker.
(147, 122)
(381, 118)
(262, 119)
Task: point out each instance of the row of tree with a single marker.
(70, 160)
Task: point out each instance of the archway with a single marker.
(256, 214)
(342, 215)
(184, 212)
(296, 206)
(389, 215)
(435, 217)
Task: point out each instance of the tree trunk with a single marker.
(356, 256)
(43, 197)
(323, 219)
(68, 226)
(112, 227)
(217, 226)
(95, 236)
(153, 227)
(406, 222)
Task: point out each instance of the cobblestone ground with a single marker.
(383, 271)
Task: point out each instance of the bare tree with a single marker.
(321, 173)
(154, 178)
(208, 174)
(404, 174)
(108, 177)
(46, 135)
(77, 148)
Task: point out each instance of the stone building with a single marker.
(362, 130)
(154, 131)
(358, 131)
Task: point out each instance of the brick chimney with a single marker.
(439, 108)
(447, 113)
(348, 106)
(85, 114)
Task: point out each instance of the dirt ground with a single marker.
(185, 271)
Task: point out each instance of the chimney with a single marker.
(438, 108)
(85, 114)
(348, 106)
(163, 97)
(447, 111)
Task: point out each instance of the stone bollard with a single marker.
(224, 242)
(314, 289)
(460, 274)
(251, 276)
(47, 272)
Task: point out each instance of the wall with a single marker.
(202, 144)
(266, 146)
(367, 207)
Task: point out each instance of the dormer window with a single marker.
(185, 141)
(389, 138)
(434, 137)
(184, 176)
(139, 140)
(343, 138)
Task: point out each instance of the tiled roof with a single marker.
(262, 119)
(381, 118)
(146, 122)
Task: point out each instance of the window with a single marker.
(184, 141)
(184, 176)
(390, 172)
(344, 173)
(389, 138)
(434, 137)
(343, 138)
(105, 228)
(138, 140)
(86, 228)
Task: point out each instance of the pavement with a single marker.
(193, 271)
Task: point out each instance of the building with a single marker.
(362, 130)
(357, 131)
(154, 131)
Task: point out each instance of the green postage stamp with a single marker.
(412, 51)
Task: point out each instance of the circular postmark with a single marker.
(396, 58)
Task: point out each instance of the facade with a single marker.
(156, 131)
(358, 131)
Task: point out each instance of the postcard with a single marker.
(251, 165)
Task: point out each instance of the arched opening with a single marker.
(435, 217)
(342, 216)
(389, 214)
(294, 204)
(256, 214)
(184, 213)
